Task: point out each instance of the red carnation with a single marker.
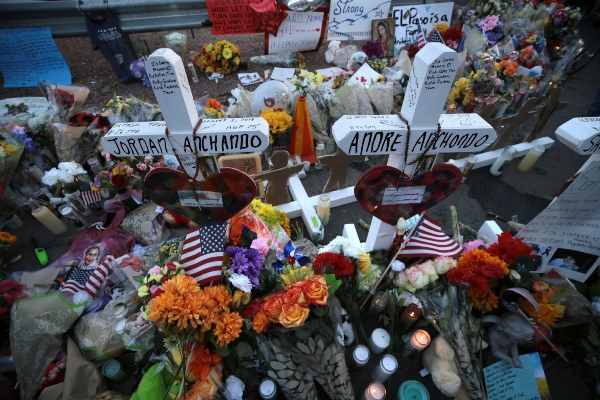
(171, 266)
(479, 284)
(332, 262)
(117, 180)
(508, 248)
(490, 271)
(458, 275)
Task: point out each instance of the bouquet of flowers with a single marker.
(270, 215)
(10, 291)
(279, 123)
(222, 57)
(10, 154)
(65, 176)
(307, 83)
(493, 29)
(462, 91)
(128, 173)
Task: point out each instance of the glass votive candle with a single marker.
(386, 367)
(267, 389)
(375, 391)
(361, 356)
(409, 316)
(379, 341)
(530, 159)
(378, 304)
(323, 208)
(418, 341)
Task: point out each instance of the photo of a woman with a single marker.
(383, 33)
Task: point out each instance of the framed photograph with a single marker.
(384, 33)
(573, 264)
(248, 163)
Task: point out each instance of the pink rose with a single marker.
(400, 279)
(428, 269)
(473, 245)
(142, 166)
(148, 159)
(155, 270)
(129, 171)
(416, 277)
(490, 22)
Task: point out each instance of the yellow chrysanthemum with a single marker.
(227, 53)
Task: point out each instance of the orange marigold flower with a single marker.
(488, 299)
(180, 304)
(214, 103)
(472, 259)
(228, 328)
(220, 295)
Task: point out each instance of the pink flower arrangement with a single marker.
(142, 166)
(490, 22)
(261, 245)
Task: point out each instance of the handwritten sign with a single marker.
(581, 135)
(428, 14)
(352, 19)
(300, 31)
(504, 382)
(403, 195)
(230, 16)
(570, 225)
(28, 56)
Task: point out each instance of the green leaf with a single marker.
(587, 346)
(243, 349)
(522, 259)
(250, 376)
(594, 341)
(318, 311)
(303, 334)
(223, 351)
(334, 283)
(246, 363)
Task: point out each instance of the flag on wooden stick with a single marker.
(202, 254)
(88, 196)
(421, 41)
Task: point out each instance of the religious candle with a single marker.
(530, 159)
(323, 207)
(120, 326)
(451, 108)
(386, 367)
(419, 340)
(192, 72)
(504, 103)
(517, 99)
(95, 165)
(320, 149)
(409, 316)
(501, 162)
(378, 304)
(361, 356)
(267, 389)
(375, 391)
(379, 341)
(50, 221)
(67, 211)
(35, 172)
(471, 161)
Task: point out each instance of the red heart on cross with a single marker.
(400, 201)
(363, 79)
(222, 196)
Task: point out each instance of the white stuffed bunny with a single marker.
(331, 48)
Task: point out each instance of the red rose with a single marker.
(165, 278)
(491, 271)
(117, 180)
(171, 266)
(251, 309)
(155, 291)
(457, 275)
(479, 284)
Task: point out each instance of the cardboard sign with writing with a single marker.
(504, 382)
(230, 16)
(570, 227)
(429, 15)
(300, 31)
(351, 19)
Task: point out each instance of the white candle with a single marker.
(471, 161)
(323, 207)
(120, 326)
(530, 159)
(119, 311)
(379, 341)
(46, 217)
(35, 172)
(501, 162)
(375, 391)
(267, 389)
(361, 356)
(387, 366)
(419, 340)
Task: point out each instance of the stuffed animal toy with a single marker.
(356, 61)
(175, 219)
(347, 328)
(438, 358)
(331, 48)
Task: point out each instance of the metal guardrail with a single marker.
(66, 18)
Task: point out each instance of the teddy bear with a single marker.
(438, 358)
(331, 48)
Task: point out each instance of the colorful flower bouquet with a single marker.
(65, 176)
(10, 154)
(222, 57)
(280, 123)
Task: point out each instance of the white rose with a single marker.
(241, 282)
(65, 177)
(401, 279)
(398, 266)
(428, 269)
(444, 264)
(71, 168)
(50, 177)
(514, 275)
(416, 278)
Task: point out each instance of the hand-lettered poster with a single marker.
(230, 17)
(566, 235)
(429, 15)
(352, 19)
(300, 31)
(29, 56)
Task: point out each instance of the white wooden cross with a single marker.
(174, 95)
(430, 81)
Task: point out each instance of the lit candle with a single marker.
(323, 207)
(409, 316)
(378, 304)
(361, 356)
(379, 341)
(530, 159)
(267, 389)
(46, 217)
(375, 391)
(451, 108)
(419, 340)
(471, 161)
(387, 366)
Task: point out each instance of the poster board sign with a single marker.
(300, 31)
(504, 382)
(352, 19)
(429, 15)
(28, 56)
(230, 17)
(567, 232)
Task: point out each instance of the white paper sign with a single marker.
(403, 195)
(569, 228)
(365, 76)
(205, 199)
(328, 72)
(429, 15)
(300, 31)
(282, 74)
(250, 78)
(352, 19)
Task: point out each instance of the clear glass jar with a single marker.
(320, 152)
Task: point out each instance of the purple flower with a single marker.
(478, 88)
(97, 182)
(372, 49)
(247, 262)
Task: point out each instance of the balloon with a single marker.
(271, 94)
(304, 5)
(138, 69)
(267, 16)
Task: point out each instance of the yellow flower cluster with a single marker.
(270, 215)
(9, 149)
(222, 57)
(308, 82)
(441, 27)
(462, 87)
(213, 113)
(279, 122)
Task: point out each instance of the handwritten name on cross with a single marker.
(581, 135)
(174, 95)
(430, 82)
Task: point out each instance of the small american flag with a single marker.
(85, 281)
(421, 41)
(434, 36)
(88, 196)
(428, 240)
(202, 254)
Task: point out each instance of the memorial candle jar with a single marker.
(375, 391)
(361, 356)
(501, 162)
(378, 305)
(386, 367)
(50, 220)
(379, 341)
(471, 161)
(418, 341)
(323, 208)
(409, 316)
(267, 389)
(530, 159)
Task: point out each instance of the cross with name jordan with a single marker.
(174, 95)
(431, 79)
